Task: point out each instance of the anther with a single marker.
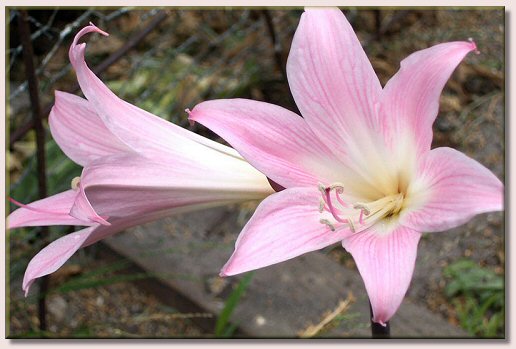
(339, 188)
(75, 183)
(321, 206)
(362, 207)
(328, 223)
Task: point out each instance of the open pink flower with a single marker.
(137, 168)
(357, 167)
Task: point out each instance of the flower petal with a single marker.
(53, 210)
(449, 190)
(273, 139)
(58, 252)
(53, 256)
(78, 130)
(386, 262)
(142, 131)
(332, 81)
(124, 185)
(83, 210)
(410, 100)
(285, 225)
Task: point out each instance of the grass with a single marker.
(478, 295)
(224, 328)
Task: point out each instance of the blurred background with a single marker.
(166, 60)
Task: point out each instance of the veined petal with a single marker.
(142, 131)
(122, 223)
(386, 262)
(53, 256)
(410, 100)
(332, 81)
(449, 190)
(53, 210)
(285, 225)
(273, 139)
(79, 131)
(124, 185)
(83, 210)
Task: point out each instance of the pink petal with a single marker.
(332, 81)
(122, 223)
(386, 262)
(138, 129)
(410, 100)
(285, 225)
(53, 210)
(124, 185)
(84, 211)
(449, 190)
(53, 256)
(78, 130)
(276, 141)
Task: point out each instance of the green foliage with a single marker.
(223, 328)
(478, 295)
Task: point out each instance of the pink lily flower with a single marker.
(357, 167)
(137, 168)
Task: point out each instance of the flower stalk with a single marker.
(377, 330)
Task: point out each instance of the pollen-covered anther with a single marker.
(328, 223)
(363, 208)
(75, 183)
(321, 206)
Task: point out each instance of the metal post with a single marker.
(24, 30)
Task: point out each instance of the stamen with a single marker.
(327, 204)
(328, 223)
(362, 207)
(351, 225)
(337, 195)
(332, 210)
(339, 189)
(370, 212)
(361, 218)
(76, 182)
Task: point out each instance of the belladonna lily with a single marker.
(137, 168)
(357, 167)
